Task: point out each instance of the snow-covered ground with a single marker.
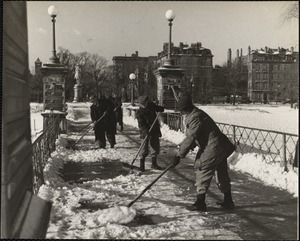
(68, 222)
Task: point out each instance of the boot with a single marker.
(154, 164)
(228, 202)
(142, 164)
(101, 146)
(121, 126)
(199, 205)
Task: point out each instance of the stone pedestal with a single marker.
(169, 79)
(54, 94)
(49, 116)
(77, 93)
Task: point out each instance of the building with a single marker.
(271, 74)
(123, 66)
(197, 62)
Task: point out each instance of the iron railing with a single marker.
(273, 145)
(41, 149)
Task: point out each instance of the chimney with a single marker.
(136, 53)
(249, 49)
(266, 49)
(229, 56)
(237, 53)
(292, 49)
(241, 52)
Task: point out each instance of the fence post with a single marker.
(233, 132)
(284, 152)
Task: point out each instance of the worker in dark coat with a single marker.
(118, 112)
(97, 111)
(111, 122)
(214, 149)
(146, 115)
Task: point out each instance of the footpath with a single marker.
(261, 212)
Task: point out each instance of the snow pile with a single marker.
(55, 163)
(271, 173)
(118, 214)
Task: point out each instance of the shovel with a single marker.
(73, 145)
(149, 186)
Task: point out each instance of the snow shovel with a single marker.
(73, 145)
(143, 143)
(148, 187)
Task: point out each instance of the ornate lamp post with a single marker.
(54, 74)
(170, 16)
(53, 11)
(132, 78)
(169, 76)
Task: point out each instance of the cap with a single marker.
(185, 102)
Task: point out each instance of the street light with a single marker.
(53, 11)
(132, 78)
(170, 16)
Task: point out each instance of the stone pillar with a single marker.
(169, 79)
(54, 94)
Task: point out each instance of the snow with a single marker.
(69, 221)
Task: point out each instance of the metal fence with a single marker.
(273, 145)
(42, 148)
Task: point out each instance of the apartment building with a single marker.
(197, 62)
(272, 73)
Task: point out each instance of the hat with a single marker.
(143, 100)
(185, 102)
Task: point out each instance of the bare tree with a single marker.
(291, 12)
(96, 68)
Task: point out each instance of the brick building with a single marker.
(271, 74)
(197, 62)
(141, 66)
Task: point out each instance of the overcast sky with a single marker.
(123, 27)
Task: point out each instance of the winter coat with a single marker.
(96, 112)
(118, 110)
(202, 130)
(146, 117)
(111, 118)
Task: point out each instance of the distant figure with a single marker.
(146, 115)
(111, 124)
(97, 112)
(118, 112)
(105, 128)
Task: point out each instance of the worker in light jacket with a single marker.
(211, 159)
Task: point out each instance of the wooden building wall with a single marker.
(16, 164)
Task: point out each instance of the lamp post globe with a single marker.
(132, 78)
(52, 11)
(170, 15)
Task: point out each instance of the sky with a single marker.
(119, 28)
(72, 221)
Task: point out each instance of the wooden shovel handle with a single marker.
(148, 187)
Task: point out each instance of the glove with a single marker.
(176, 160)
